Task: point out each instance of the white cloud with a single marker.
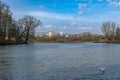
(81, 5)
(48, 26)
(86, 28)
(89, 9)
(83, 8)
(108, 0)
(50, 15)
(63, 28)
(39, 27)
(114, 3)
(80, 12)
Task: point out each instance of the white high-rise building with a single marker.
(61, 34)
(51, 34)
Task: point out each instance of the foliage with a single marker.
(21, 30)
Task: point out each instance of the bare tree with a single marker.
(23, 29)
(109, 29)
(118, 34)
(28, 24)
(5, 20)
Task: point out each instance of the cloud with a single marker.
(89, 9)
(80, 12)
(113, 3)
(49, 15)
(81, 5)
(57, 18)
(73, 23)
(63, 28)
(108, 0)
(86, 28)
(100, 0)
(48, 26)
(83, 8)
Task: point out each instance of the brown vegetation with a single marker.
(12, 31)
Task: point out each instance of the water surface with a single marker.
(60, 61)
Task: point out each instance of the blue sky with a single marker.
(68, 16)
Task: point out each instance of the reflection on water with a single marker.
(54, 61)
(5, 66)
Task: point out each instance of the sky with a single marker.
(68, 16)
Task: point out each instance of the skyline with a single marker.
(68, 16)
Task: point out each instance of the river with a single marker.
(60, 61)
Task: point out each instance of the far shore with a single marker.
(12, 43)
(18, 43)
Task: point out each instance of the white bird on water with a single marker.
(102, 70)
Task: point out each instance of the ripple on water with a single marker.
(54, 61)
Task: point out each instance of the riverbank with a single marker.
(17, 43)
(12, 43)
(109, 42)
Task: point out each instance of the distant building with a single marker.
(51, 34)
(61, 34)
(67, 36)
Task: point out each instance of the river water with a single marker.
(60, 61)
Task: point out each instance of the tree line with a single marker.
(111, 31)
(21, 30)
